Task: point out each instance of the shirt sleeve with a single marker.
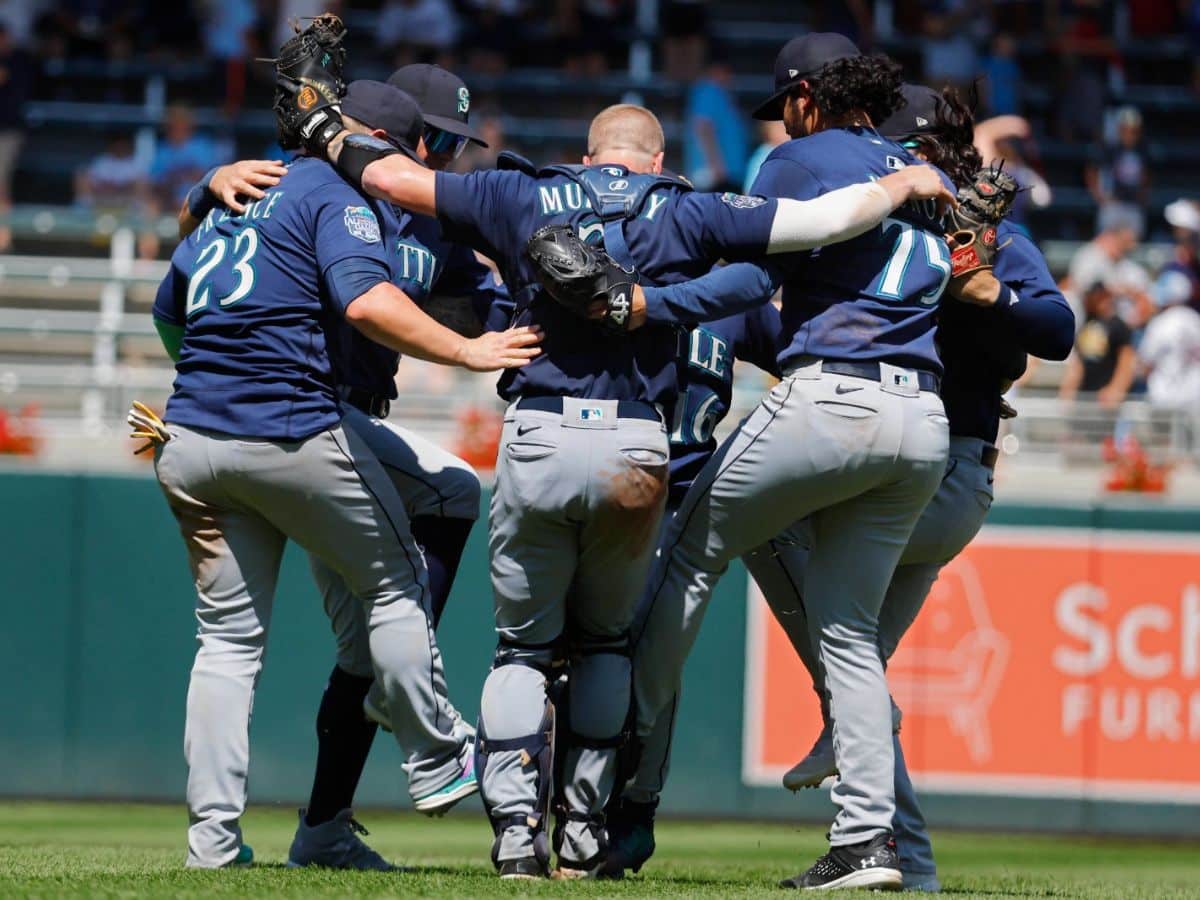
(171, 298)
(782, 177)
(761, 338)
(1031, 304)
(724, 291)
(476, 209)
(350, 251)
(724, 226)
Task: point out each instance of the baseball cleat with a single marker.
(244, 859)
(922, 881)
(630, 838)
(442, 800)
(527, 868)
(872, 864)
(818, 765)
(334, 845)
(570, 873)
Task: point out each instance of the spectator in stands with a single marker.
(418, 31)
(773, 134)
(683, 25)
(16, 81)
(589, 34)
(1106, 259)
(110, 181)
(181, 159)
(1103, 363)
(229, 42)
(1170, 348)
(1009, 139)
(497, 34)
(952, 31)
(716, 141)
(1184, 218)
(1086, 53)
(1002, 77)
(1119, 172)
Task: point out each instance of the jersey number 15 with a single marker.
(892, 280)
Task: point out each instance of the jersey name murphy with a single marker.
(570, 197)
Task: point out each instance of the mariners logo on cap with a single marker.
(464, 100)
(362, 224)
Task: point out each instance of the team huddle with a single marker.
(908, 308)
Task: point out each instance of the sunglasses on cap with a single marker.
(445, 143)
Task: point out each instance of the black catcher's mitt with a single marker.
(981, 206)
(582, 277)
(309, 84)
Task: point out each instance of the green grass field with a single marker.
(100, 850)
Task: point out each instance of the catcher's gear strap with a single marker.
(546, 658)
(358, 152)
(507, 160)
(615, 196)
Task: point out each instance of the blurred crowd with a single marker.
(1139, 322)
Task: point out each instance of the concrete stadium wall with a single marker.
(98, 641)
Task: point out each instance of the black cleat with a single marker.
(630, 838)
(872, 864)
(527, 868)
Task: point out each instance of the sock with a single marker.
(344, 737)
(443, 541)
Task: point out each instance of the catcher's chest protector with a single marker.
(616, 195)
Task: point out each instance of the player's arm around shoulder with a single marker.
(230, 186)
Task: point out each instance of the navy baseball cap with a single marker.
(918, 115)
(443, 97)
(382, 106)
(799, 59)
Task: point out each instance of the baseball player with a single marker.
(1009, 311)
(440, 491)
(855, 438)
(706, 368)
(253, 453)
(581, 474)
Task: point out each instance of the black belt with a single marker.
(375, 405)
(626, 409)
(926, 381)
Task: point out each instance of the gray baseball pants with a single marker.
(860, 457)
(237, 502)
(950, 522)
(431, 482)
(574, 516)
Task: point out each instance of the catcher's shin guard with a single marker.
(536, 750)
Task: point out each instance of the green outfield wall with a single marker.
(98, 639)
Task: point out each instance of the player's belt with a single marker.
(988, 456)
(375, 405)
(926, 381)
(626, 409)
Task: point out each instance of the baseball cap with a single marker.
(1182, 214)
(917, 116)
(382, 106)
(799, 59)
(442, 96)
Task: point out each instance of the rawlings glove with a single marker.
(972, 232)
(146, 426)
(309, 84)
(583, 278)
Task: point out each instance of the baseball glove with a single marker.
(582, 278)
(309, 84)
(146, 426)
(981, 206)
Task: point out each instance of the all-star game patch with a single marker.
(362, 224)
(742, 201)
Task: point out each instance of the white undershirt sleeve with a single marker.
(828, 219)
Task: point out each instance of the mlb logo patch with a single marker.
(591, 414)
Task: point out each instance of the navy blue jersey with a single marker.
(424, 264)
(984, 347)
(257, 294)
(873, 297)
(706, 385)
(675, 235)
